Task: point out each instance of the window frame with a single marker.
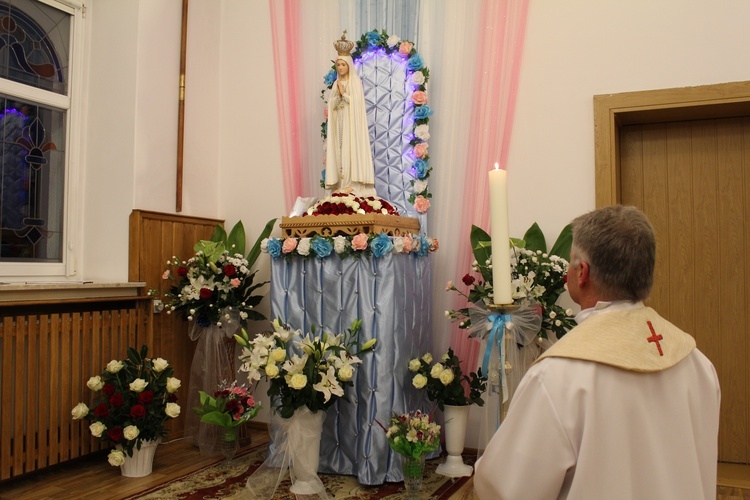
(73, 105)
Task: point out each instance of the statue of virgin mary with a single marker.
(348, 154)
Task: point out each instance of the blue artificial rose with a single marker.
(422, 112)
(414, 63)
(373, 38)
(274, 247)
(322, 247)
(424, 246)
(381, 245)
(330, 78)
(419, 169)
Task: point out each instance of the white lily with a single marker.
(329, 385)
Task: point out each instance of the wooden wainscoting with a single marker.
(48, 350)
(155, 238)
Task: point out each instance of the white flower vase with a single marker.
(142, 462)
(304, 432)
(455, 435)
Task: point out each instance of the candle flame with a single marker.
(497, 166)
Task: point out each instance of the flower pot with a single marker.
(303, 432)
(142, 461)
(413, 469)
(455, 435)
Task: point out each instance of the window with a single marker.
(38, 50)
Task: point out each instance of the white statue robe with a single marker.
(348, 152)
(586, 429)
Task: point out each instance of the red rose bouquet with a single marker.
(133, 399)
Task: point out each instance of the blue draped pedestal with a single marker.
(391, 295)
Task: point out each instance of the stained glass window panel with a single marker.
(32, 181)
(34, 45)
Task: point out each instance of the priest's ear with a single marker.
(583, 276)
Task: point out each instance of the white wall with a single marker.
(577, 49)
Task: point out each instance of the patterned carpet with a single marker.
(228, 481)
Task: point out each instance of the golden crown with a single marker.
(343, 46)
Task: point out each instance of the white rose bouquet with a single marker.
(311, 371)
(444, 381)
(133, 400)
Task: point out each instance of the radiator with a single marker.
(47, 353)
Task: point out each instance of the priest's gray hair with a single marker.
(619, 244)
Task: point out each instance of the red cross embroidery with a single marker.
(655, 338)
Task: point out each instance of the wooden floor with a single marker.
(93, 478)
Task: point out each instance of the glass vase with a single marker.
(229, 443)
(413, 469)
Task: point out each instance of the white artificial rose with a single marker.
(417, 77)
(569, 312)
(339, 244)
(138, 385)
(346, 373)
(414, 365)
(420, 186)
(95, 383)
(114, 366)
(552, 314)
(272, 371)
(446, 377)
(298, 381)
(80, 411)
(160, 365)
(445, 357)
(264, 245)
(436, 370)
(172, 410)
(303, 247)
(427, 358)
(278, 355)
(393, 40)
(377, 205)
(173, 384)
(116, 458)
(419, 381)
(130, 432)
(422, 131)
(97, 428)
(398, 244)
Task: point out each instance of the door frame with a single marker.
(612, 111)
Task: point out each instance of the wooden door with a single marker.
(692, 179)
(154, 239)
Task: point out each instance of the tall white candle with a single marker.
(500, 237)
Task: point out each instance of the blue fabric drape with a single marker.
(391, 295)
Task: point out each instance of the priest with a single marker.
(624, 406)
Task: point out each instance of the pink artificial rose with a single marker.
(408, 244)
(405, 48)
(421, 204)
(359, 242)
(165, 276)
(235, 282)
(325, 112)
(419, 97)
(420, 150)
(289, 245)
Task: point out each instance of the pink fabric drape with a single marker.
(285, 30)
(498, 65)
